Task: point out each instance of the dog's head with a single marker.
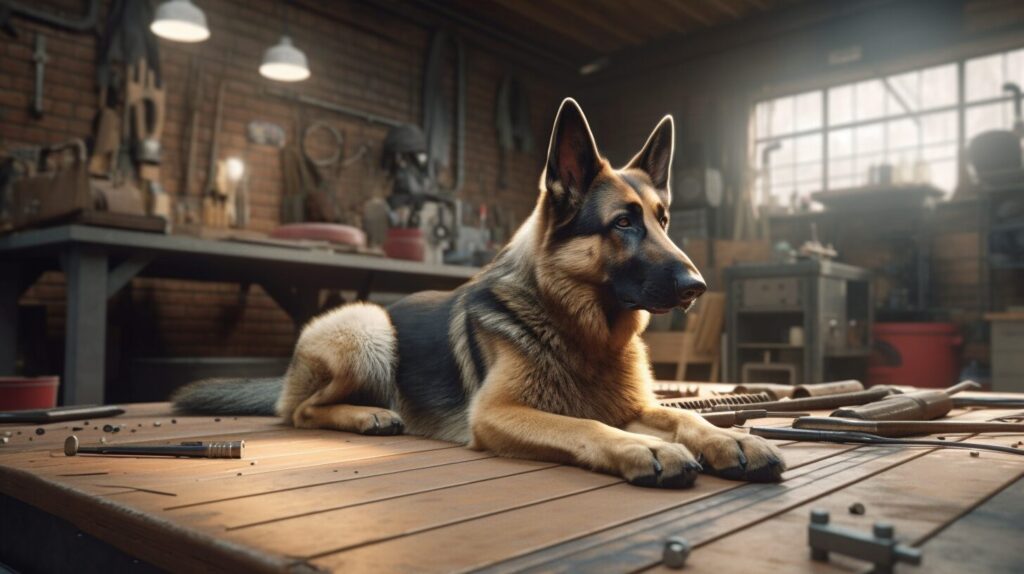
(608, 227)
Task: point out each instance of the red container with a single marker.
(20, 393)
(405, 244)
(918, 354)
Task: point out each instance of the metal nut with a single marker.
(677, 550)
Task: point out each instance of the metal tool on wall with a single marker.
(145, 102)
(40, 58)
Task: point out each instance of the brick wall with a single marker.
(360, 57)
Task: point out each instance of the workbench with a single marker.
(98, 262)
(305, 500)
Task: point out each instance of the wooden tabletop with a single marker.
(322, 500)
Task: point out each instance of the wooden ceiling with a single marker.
(584, 30)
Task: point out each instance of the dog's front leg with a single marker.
(726, 453)
(502, 424)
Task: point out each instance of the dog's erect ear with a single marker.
(573, 161)
(655, 158)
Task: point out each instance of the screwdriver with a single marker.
(221, 449)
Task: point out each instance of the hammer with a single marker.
(225, 449)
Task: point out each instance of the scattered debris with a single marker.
(77, 428)
(103, 439)
(857, 508)
(677, 550)
(239, 474)
(975, 454)
(174, 421)
(108, 428)
(40, 431)
(117, 428)
(253, 463)
(4, 440)
(942, 438)
(157, 423)
(217, 420)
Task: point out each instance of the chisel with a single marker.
(904, 428)
(222, 449)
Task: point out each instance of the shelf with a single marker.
(772, 310)
(847, 352)
(769, 346)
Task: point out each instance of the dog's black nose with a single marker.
(688, 287)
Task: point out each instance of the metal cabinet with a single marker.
(802, 322)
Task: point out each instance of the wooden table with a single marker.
(98, 262)
(320, 500)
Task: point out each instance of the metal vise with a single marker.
(880, 548)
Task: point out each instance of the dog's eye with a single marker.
(623, 222)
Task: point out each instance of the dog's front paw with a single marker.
(382, 422)
(738, 456)
(655, 463)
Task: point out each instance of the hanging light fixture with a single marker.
(284, 62)
(180, 21)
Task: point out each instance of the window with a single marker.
(833, 138)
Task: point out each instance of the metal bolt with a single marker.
(857, 508)
(677, 550)
(884, 530)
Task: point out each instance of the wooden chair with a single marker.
(698, 344)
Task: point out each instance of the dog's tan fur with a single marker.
(577, 390)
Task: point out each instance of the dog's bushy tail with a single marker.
(228, 396)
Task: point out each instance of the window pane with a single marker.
(905, 87)
(939, 128)
(840, 143)
(988, 117)
(781, 114)
(840, 168)
(938, 87)
(868, 139)
(863, 164)
(808, 148)
(902, 134)
(984, 77)
(869, 100)
(761, 113)
(808, 111)
(942, 174)
(1015, 67)
(840, 105)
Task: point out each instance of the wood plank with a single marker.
(188, 493)
(297, 502)
(337, 530)
(986, 539)
(520, 531)
(955, 483)
(627, 546)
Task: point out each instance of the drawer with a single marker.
(770, 292)
(1008, 335)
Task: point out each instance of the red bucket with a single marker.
(405, 244)
(20, 393)
(918, 354)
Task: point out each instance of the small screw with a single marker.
(677, 550)
(157, 423)
(857, 508)
(975, 454)
(40, 431)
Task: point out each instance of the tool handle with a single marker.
(895, 429)
(225, 449)
(962, 386)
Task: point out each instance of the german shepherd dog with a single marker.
(539, 355)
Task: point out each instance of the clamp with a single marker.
(880, 548)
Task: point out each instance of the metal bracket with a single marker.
(124, 272)
(880, 548)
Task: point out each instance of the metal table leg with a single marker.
(10, 289)
(86, 332)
